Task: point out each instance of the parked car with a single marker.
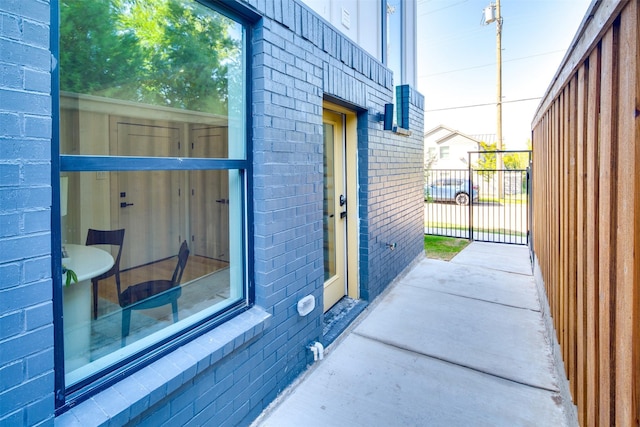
(450, 190)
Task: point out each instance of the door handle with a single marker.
(343, 215)
(343, 200)
(125, 204)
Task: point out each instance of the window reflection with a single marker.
(140, 232)
(157, 249)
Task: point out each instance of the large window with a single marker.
(153, 172)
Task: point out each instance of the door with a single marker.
(146, 203)
(209, 195)
(335, 209)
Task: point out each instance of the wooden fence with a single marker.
(586, 219)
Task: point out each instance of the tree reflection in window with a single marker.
(160, 52)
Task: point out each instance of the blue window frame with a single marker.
(150, 235)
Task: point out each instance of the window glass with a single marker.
(394, 49)
(153, 245)
(444, 152)
(148, 60)
(394, 39)
(145, 300)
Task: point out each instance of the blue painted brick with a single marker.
(37, 270)
(26, 392)
(10, 76)
(34, 197)
(114, 405)
(12, 419)
(37, 81)
(32, 9)
(90, 414)
(24, 247)
(10, 27)
(39, 363)
(26, 344)
(41, 412)
(38, 316)
(10, 124)
(19, 297)
(11, 375)
(155, 384)
(155, 419)
(9, 275)
(182, 417)
(11, 148)
(17, 53)
(9, 224)
(35, 34)
(12, 324)
(37, 221)
(37, 127)
(26, 102)
(36, 174)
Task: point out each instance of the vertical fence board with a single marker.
(626, 299)
(607, 222)
(571, 233)
(581, 244)
(593, 132)
(562, 231)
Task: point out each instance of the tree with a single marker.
(517, 161)
(486, 163)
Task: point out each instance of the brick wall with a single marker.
(26, 340)
(394, 209)
(227, 376)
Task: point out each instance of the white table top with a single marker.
(87, 261)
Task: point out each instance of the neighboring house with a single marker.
(238, 143)
(448, 149)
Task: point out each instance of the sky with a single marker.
(457, 62)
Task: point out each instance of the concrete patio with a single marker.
(449, 344)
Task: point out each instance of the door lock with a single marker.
(343, 200)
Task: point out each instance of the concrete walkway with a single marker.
(450, 344)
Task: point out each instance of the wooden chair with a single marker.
(153, 293)
(105, 237)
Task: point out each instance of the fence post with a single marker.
(470, 189)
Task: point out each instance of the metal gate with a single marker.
(480, 203)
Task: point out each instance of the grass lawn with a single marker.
(443, 248)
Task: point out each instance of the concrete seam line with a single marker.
(475, 298)
(450, 362)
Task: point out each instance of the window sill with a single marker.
(133, 395)
(401, 131)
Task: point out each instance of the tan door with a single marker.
(335, 209)
(146, 203)
(209, 198)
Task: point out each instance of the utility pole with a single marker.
(492, 14)
(499, 163)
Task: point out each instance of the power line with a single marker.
(429, 12)
(490, 65)
(482, 105)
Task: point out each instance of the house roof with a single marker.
(447, 133)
